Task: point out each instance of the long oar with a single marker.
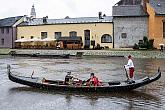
(126, 73)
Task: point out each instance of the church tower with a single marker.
(33, 12)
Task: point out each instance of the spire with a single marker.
(33, 13)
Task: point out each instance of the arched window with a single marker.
(106, 38)
(73, 34)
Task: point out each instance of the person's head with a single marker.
(129, 56)
(69, 73)
(92, 74)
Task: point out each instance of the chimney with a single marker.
(100, 15)
(45, 19)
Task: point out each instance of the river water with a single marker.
(19, 97)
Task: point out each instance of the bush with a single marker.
(98, 47)
(106, 47)
(144, 44)
(136, 46)
(148, 44)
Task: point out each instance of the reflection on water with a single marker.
(19, 97)
(131, 98)
(92, 96)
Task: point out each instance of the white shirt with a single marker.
(129, 64)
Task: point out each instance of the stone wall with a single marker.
(101, 53)
(134, 27)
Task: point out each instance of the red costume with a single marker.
(95, 81)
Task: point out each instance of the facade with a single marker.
(156, 11)
(92, 30)
(130, 23)
(8, 31)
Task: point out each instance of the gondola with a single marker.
(42, 56)
(50, 56)
(38, 82)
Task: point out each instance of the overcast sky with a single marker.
(56, 8)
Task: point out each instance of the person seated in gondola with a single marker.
(68, 78)
(93, 81)
(71, 80)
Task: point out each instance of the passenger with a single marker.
(71, 80)
(93, 81)
(130, 67)
(68, 78)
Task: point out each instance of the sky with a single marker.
(56, 8)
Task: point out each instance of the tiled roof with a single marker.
(130, 2)
(159, 6)
(9, 21)
(39, 21)
(128, 10)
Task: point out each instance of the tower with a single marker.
(33, 13)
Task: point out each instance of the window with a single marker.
(31, 37)
(106, 38)
(44, 35)
(57, 35)
(7, 30)
(22, 37)
(73, 34)
(2, 41)
(163, 29)
(2, 30)
(124, 35)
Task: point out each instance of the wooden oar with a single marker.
(126, 73)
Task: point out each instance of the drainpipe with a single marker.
(113, 34)
(12, 38)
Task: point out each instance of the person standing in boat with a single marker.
(130, 67)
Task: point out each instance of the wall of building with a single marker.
(96, 31)
(155, 27)
(135, 28)
(7, 37)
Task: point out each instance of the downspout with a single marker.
(12, 39)
(113, 33)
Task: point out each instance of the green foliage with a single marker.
(144, 44)
(106, 47)
(136, 46)
(98, 47)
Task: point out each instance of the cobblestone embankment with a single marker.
(110, 53)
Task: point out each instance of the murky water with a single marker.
(19, 97)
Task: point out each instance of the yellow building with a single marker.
(156, 11)
(92, 30)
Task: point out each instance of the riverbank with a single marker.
(99, 53)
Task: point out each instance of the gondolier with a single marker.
(130, 67)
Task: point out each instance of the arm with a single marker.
(128, 65)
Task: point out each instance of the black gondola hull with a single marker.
(58, 85)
